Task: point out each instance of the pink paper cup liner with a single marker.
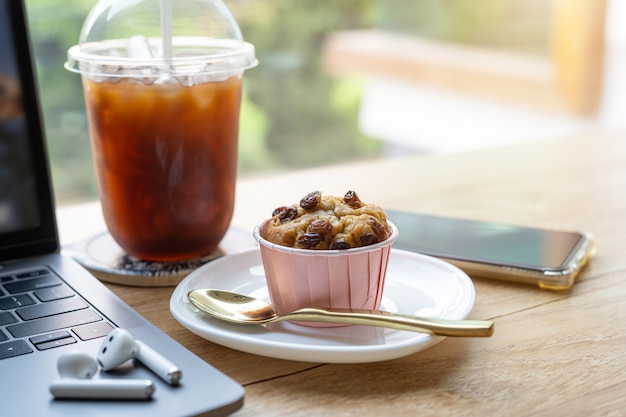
(348, 278)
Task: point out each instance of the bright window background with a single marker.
(294, 114)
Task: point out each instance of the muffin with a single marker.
(327, 222)
(340, 263)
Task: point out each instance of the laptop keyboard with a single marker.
(39, 311)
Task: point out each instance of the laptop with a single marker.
(49, 304)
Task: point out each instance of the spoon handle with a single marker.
(439, 327)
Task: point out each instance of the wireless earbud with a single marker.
(77, 365)
(120, 346)
(76, 368)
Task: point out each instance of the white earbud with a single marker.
(76, 368)
(119, 346)
(77, 365)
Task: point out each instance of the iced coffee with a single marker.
(166, 163)
(163, 117)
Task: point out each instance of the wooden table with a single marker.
(553, 353)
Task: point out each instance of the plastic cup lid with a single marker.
(122, 38)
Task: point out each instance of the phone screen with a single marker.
(483, 241)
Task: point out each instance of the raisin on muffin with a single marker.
(327, 222)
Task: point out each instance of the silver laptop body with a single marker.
(49, 304)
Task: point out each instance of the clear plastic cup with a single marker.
(162, 84)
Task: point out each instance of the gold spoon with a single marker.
(238, 308)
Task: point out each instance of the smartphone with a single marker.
(550, 259)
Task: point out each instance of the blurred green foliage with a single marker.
(521, 25)
(54, 27)
(293, 114)
(306, 125)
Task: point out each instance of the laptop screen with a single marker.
(27, 225)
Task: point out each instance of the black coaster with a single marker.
(103, 257)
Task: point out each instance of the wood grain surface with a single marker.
(553, 353)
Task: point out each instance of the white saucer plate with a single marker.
(415, 285)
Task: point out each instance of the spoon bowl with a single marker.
(242, 309)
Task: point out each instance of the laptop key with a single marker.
(51, 308)
(93, 331)
(14, 348)
(7, 318)
(52, 340)
(3, 337)
(49, 324)
(54, 293)
(11, 302)
(32, 284)
(35, 340)
(34, 273)
(56, 343)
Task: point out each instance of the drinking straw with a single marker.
(166, 28)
